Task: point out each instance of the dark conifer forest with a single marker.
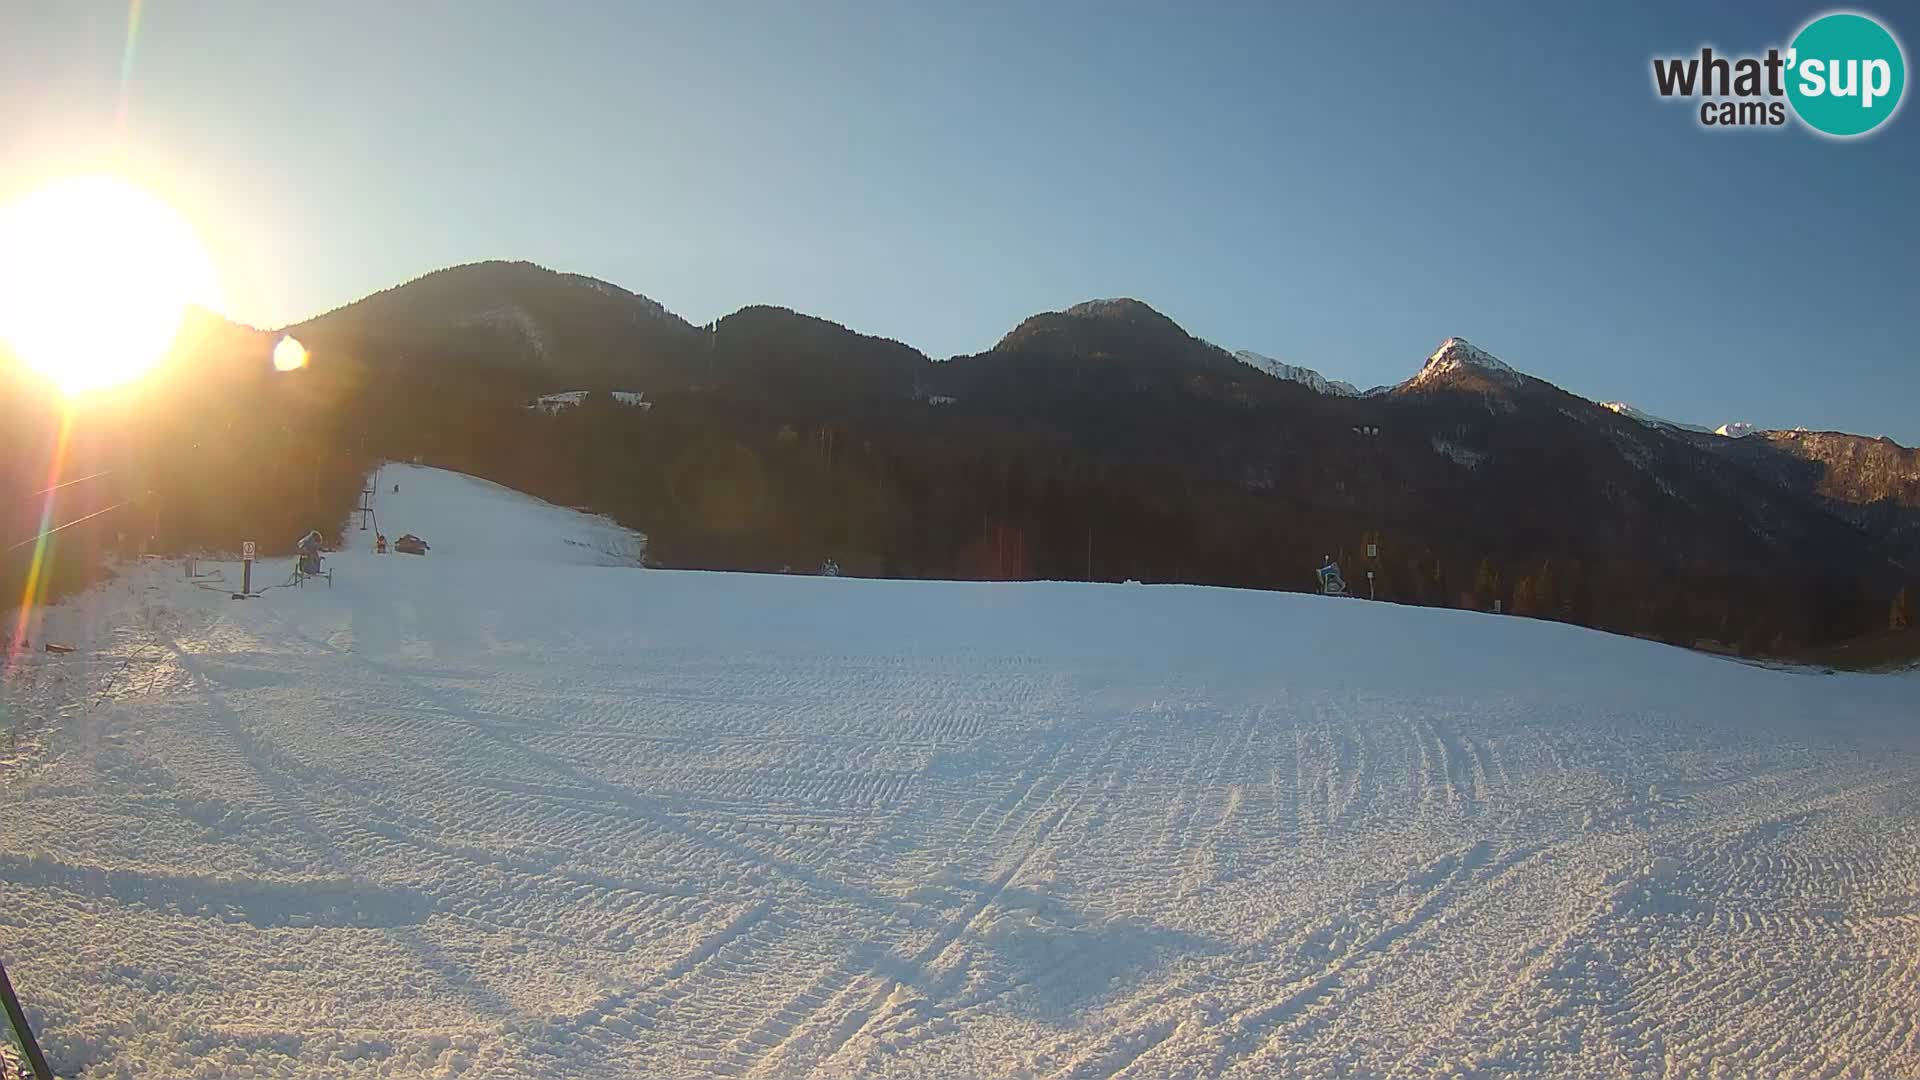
(1103, 443)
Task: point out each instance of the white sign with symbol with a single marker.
(246, 550)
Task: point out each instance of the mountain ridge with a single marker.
(1106, 440)
(1452, 355)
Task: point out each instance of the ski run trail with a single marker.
(519, 809)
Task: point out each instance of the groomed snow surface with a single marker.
(501, 812)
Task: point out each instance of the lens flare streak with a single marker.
(39, 568)
(126, 62)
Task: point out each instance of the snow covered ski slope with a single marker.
(464, 517)
(501, 812)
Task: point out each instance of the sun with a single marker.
(96, 274)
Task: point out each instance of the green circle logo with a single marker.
(1845, 74)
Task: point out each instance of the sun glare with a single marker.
(289, 354)
(95, 277)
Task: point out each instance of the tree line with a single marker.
(749, 481)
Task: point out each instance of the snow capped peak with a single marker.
(1114, 306)
(1738, 429)
(1306, 377)
(1648, 419)
(1457, 353)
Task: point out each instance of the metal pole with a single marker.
(18, 1018)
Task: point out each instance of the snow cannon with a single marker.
(307, 565)
(1331, 581)
(309, 553)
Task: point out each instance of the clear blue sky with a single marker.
(1340, 187)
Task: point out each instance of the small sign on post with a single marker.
(246, 570)
(1373, 551)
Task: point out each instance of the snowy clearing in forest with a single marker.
(504, 810)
